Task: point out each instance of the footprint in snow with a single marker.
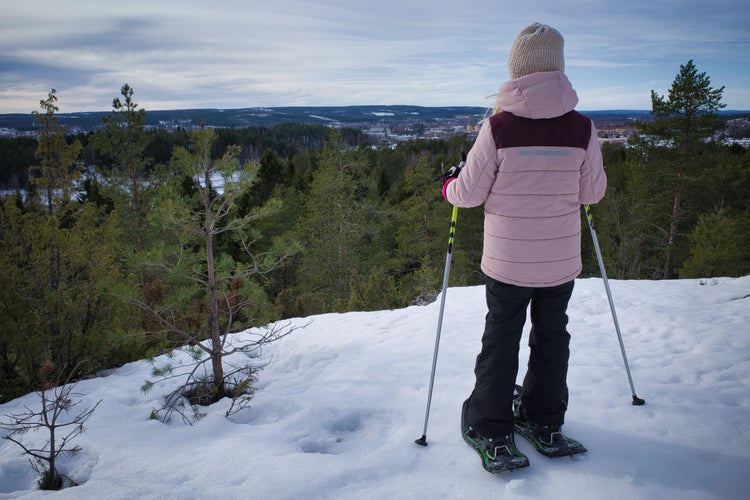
(335, 427)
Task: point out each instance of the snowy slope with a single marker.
(341, 402)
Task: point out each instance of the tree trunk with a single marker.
(213, 298)
(672, 236)
(51, 480)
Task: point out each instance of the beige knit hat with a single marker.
(537, 48)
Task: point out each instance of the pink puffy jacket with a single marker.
(532, 166)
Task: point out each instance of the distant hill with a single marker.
(326, 115)
(247, 117)
(355, 116)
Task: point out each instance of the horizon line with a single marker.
(732, 110)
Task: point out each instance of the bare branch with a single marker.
(61, 433)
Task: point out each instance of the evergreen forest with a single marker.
(126, 242)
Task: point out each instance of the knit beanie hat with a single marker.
(537, 48)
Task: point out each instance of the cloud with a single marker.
(230, 53)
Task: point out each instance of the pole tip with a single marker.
(638, 401)
(422, 441)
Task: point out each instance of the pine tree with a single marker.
(229, 298)
(672, 154)
(130, 191)
(124, 141)
(58, 401)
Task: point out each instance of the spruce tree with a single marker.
(59, 271)
(336, 225)
(419, 229)
(55, 174)
(718, 248)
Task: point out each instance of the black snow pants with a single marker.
(545, 390)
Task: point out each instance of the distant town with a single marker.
(384, 124)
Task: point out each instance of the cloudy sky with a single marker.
(247, 53)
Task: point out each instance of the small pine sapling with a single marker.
(54, 415)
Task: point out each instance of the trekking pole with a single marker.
(423, 440)
(636, 400)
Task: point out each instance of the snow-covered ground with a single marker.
(341, 402)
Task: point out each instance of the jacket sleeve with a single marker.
(593, 179)
(474, 184)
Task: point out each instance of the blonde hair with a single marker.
(494, 109)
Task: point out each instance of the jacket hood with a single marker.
(539, 95)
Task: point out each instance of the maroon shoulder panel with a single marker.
(569, 130)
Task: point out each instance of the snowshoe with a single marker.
(498, 454)
(546, 439)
